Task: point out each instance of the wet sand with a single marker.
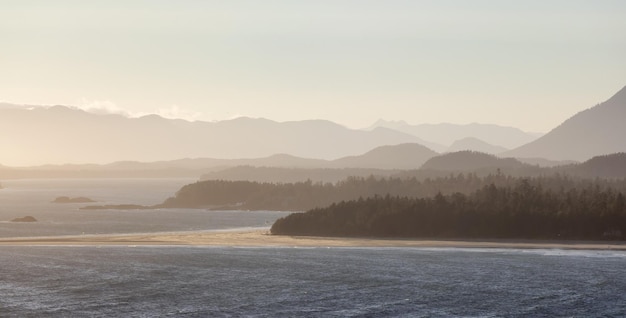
(262, 238)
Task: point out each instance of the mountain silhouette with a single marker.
(403, 156)
(395, 157)
(444, 135)
(475, 144)
(607, 166)
(62, 134)
(599, 130)
(278, 160)
(469, 161)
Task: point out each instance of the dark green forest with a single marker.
(540, 208)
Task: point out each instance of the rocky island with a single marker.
(27, 218)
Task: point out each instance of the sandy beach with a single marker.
(262, 238)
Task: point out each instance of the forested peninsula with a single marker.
(537, 208)
(302, 196)
(456, 206)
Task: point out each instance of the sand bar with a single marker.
(261, 238)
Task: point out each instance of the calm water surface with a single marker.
(33, 197)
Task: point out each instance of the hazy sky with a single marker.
(529, 64)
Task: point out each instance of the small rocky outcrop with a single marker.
(27, 218)
(72, 200)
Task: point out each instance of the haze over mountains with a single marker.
(444, 135)
(471, 143)
(599, 130)
(65, 135)
(606, 166)
(402, 156)
(59, 135)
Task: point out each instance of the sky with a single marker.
(527, 64)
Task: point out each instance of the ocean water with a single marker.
(186, 281)
(164, 281)
(33, 197)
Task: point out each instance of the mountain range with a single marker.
(402, 156)
(606, 166)
(36, 134)
(466, 162)
(62, 134)
(444, 135)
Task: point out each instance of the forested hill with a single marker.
(609, 166)
(300, 196)
(478, 162)
(522, 211)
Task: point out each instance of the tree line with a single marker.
(537, 208)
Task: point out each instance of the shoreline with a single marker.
(262, 238)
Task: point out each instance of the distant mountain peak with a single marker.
(620, 95)
(447, 133)
(595, 131)
(63, 108)
(244, 119)
(475, 144)
(152, 117)
(400, 156)
(281, 155)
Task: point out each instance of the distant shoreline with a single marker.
(262, 238)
